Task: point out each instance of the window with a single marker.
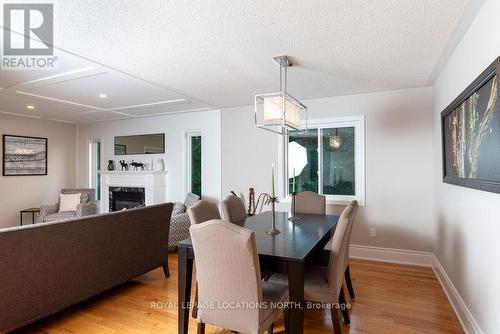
(194, 163)
(95, 167)
(328, 159)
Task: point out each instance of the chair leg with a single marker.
(335, 320)
(195, 305)
(348, 282)
(166, 271)
(270, 330)
(345, 311)
(286, 319)
(201, 328)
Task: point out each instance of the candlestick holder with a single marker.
(293, 217)
(273, 230)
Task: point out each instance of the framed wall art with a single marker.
(471, 134)
(24, 156)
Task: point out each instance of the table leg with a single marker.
(185, 269)
(296, 295)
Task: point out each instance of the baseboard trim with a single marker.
(425, 259)
(464, 315)
(391, 255)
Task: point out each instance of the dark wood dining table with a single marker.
(287, 252)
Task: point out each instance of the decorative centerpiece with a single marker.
(293, 217)
(273, 199)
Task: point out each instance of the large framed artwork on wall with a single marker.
(471, 134)
(24, 156)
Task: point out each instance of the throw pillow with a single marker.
(69, 202)
(178, 209)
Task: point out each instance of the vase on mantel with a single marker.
(160, 165)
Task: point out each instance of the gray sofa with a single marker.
(88, 206)
(48, 267)
(179, 225)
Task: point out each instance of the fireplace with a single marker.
(125, 198)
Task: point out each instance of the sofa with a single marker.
(48, 267)
(88, 206)
(179, 224)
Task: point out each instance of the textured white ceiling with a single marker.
(220, 51)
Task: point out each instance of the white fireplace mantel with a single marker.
(153, 182)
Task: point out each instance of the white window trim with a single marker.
(186, 159)
(358, 122)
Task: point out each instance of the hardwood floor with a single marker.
(389, 299)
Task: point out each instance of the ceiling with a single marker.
(168, 56)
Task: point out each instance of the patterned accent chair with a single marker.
(88, 206)
(179, 223)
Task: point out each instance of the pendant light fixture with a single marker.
(280, 112)
(335, 141)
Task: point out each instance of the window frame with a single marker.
(358, 122)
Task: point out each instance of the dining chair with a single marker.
(233, 209)
(309, 202)
(228, 273)
(203, 211)
(347, 273)
(324, 284)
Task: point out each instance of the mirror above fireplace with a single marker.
(140, 144)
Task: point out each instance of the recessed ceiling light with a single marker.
(30, 107)
(102, 96)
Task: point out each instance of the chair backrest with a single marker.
(203, 211)
(337, 253)
(310, 202)
(233, 209)
(88, 195)
(227, 271)
(354, 205)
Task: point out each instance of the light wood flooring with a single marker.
(390, 298)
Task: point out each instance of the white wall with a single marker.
(21, 192)
(174, 126)
(398, 161)
(468, 220)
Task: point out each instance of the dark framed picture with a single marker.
(24, 156)
(120, 149)
(471, 134)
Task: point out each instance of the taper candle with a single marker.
(273, 194)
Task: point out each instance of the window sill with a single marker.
(329, 201)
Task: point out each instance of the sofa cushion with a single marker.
(69, 202)
(59, 216)
(178, 209)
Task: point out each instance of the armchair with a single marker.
(87, 207)
(179, 223)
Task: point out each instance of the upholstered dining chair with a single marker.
(233, 209)
(199, 213)
(324, 284)
(309, 202)
(228, 273)
(347, 272)
(203, 211)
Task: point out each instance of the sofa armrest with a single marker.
(46, 210)
(179, 229)
(87, 209)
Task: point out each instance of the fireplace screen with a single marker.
(121, 198)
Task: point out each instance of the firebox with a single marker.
(125, 198)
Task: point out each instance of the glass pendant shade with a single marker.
(279, 112)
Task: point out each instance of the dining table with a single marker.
(299, 243)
